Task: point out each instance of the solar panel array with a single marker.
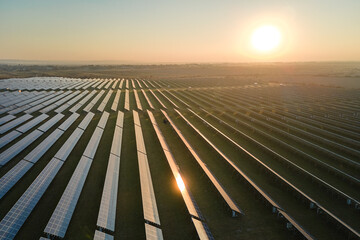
(235, 210)
(150, 210)
(310, 148)
(106, 218)
(62, 214)
(17, 215)
(190, 203)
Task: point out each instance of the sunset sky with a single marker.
(177, 31)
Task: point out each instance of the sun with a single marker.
(266, 38)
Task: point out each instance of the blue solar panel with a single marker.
(69, 145)
(11, 152)
(61, 217)
(65, 125)
(6, 119)
(9, 137)
(15, 218)
(13, 175)
(40, 150)
(27, 126)
(8, 126)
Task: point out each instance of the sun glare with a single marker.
(266, 38)
(180, 183)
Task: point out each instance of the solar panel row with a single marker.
(127, 100)
(147, 99)
(6, 119)
(168, 99)
(114, 84)
(294, 188)
(133, 84)
(102, 236)
(161, 103)
(60, 102)
(106, 218)
(15, 218)
(10, 125)
(105, 101)
(145, 83)
(150, 210)
(102, 83)
(48, 102)
(190, 203)
(93, 101)
(82, 102)
(108, 84)
(37, 104)
(9, 138)
(291, 164)
(66, 105)
(121, 84)
(15, 174)
(137, 100)
(276, 206)
(60, 219)
(231, 204)
(115, 104)
(138, 82)
(20, 130)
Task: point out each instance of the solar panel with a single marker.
(115, 104)
(105, 101)
(102, 236)
(161, 103)
(82, 102)
(120, 119)
(236, 210)
(70, 102)
(8, 126)
(153, 233)
(94, 101)
(13, 175)
(86, 120)
(9, 137)
(48, 124)
(116, 144)
(168, 99)
(127, 101)
(40, 149)
(62, 214)
(147, 192)
(139, 83)
(121, 84)
(137, 100)
(114, 84)
(6, 119)
(202, 230)
(189, 201)
(91, 148)
(139, 139)
(15, 218)
(106, 218)
(103, 120)
(147, 99)
(15, 149)
(68, 146)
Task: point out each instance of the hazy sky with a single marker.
(144, 31)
